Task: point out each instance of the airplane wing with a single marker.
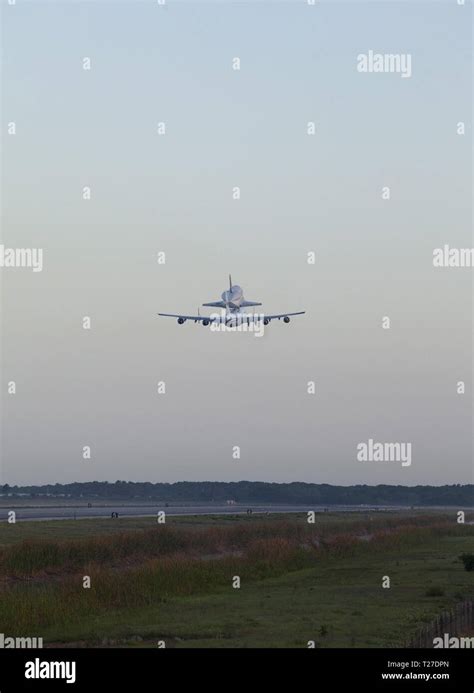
(182, 318)
(241, 317)
(282, 315)
(259, 317)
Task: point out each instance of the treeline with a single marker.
(255, 492)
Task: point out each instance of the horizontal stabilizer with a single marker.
(245, 304)
(216, 304)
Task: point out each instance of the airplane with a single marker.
(232, 302)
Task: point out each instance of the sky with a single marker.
(173, 193)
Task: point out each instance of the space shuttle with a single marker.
(232, 301)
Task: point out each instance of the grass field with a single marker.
(174, 582)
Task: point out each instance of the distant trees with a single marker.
(248, 492)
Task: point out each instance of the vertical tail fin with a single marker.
(230, 283)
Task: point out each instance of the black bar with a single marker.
(154, 669)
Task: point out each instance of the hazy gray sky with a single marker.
(173, 193)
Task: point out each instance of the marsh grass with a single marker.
(173, 565)
(29, 557)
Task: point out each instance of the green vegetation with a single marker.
(150, 539)
(456, 495)
(299, 582)
(435, 591)
(468, 560)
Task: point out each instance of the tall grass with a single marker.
(46, 604)
(270, 551)
(31, 557)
